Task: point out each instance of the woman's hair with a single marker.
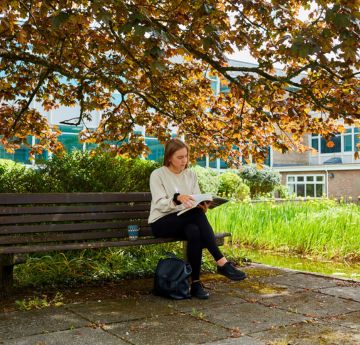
(171, 147)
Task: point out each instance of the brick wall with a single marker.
(292, 157)
(345, 183)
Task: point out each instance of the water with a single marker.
(331, 268)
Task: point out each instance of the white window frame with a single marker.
(305, 182)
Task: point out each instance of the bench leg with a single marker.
(6, 274)
(184, 250)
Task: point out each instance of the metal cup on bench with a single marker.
(133, 231)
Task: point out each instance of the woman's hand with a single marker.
(186, 200)
(204, 206)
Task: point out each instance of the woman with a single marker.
(171, 188)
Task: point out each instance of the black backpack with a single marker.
(172, 278)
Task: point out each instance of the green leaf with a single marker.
(341, 20)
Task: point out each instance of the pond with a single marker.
(300, 263)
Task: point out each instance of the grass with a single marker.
(322, 228)
(83, 267)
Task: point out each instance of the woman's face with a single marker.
(179, 160)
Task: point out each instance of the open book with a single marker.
(199, 198)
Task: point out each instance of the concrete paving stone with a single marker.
(24, 323)
(250, 317)
(310, 334)
(79, 336)
(253, 290)
(174, 329)
(348, 292)
(245, 340)
(350, 320)
(216, 299)
(313, 304)
(302, 280)
(124, 309)
(255, 270)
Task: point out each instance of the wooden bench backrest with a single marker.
(48, 221)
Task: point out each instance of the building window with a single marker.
(306, 185)
(356, 138)
(336, 148)
(345, 142)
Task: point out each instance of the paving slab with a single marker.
(313, 304)
(272, 306)
(253, 290)
(310, 334)
(302, 280)
(169, 329)
(79, 336)
(24, 323)
(245, 340)
(350, 320)
(348, 292)
(216, 299)
(124, 309)
(255, 271)
(250, 317)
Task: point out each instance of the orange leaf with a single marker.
(330, 144)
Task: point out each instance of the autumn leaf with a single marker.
(330, 144)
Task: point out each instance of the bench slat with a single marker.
(58, 217)
(83, 236)
(60, 227)
(68, 198)
(72, 209)
(89, 245)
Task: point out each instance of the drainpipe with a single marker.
(327, 182)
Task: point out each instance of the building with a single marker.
(333, 172)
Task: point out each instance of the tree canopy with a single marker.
(158, 54)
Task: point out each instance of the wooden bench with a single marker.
(46, 222)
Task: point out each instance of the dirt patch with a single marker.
(81, 293)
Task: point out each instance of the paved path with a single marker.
(273, 306)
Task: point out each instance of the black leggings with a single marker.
(193, 227)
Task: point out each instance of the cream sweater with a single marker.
(163, 185)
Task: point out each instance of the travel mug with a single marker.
(133, 232)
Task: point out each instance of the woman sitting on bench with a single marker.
(171, 188)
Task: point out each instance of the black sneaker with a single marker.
(231, 272)
(197, 290)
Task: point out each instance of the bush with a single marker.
(208, 179)
(15, 177)
(242, 192)
(228, 184)
(282, 192)
(80, 172)
(260, 181)
(232, 186)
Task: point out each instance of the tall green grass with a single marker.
(318, 227)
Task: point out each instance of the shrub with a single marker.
(15, 177)
(260, 181)
(242, 192)
(208, 179)
(282, 192)
(79, 172)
